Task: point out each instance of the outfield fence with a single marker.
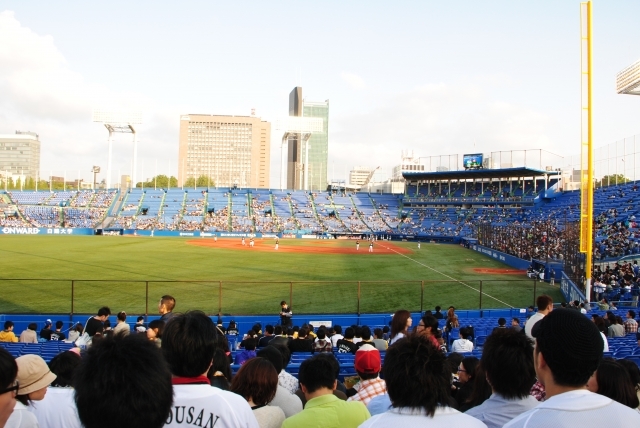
(82, 296)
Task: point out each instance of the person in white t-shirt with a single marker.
(188, 345)
(463, 344)
(545, 305)
(568, 350)
(336, 336)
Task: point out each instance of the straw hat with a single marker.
(33, 374)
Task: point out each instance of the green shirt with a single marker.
(328, 411)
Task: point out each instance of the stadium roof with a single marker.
(471, 174)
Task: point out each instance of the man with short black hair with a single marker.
(502, 324)
(165, 307)
(463, 344)
(419, 386)
(317, 380)
(567, 352)
(438, 315)
(96, 324)
(268, 336)
(337, 335)
(346, 345)
(286, 314)
(545, 306)
(515, 324)
(58, 334)
(188, 345)
(507, 359)
(7, 335)
(45, 333)
(630, 324)
(103, 400)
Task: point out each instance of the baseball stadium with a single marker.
(462, 264)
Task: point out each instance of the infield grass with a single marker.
(251, 282)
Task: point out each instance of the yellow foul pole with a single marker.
(586, 188)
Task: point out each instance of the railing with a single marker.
(85, 296)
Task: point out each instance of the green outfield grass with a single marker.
(251, 282)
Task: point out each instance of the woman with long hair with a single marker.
(400, 325)
(257, 382)
(463, 388)
(612, 380)
(428, 327)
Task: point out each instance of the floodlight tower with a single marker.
(294, 127)
(121, 122)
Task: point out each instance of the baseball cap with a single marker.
(33, 374)
(48, 322)
(367, 360)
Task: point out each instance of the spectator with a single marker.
(400, 325)
(337, 335)
(268, 336)
(155, 331)
(287, 401)
(480, 391)
(630, 324)
(418, 391)
(612, 380)
(165, 307)
(96, 324)
(379, 343)
(438, 315)
(122, 327)
(8, 385)
(428, 327)
(463, 344)
(29, 335)
(302, 343)
(368, 366)
(145, 401)
(507, 359)
(58, 409)
(232, 329)
(502, 324)
(219, 373)
(599, 322)
(257, 381)
(45, 333)
(634, 373)
(545, 306)
(616, 329)
(317, 380)
(463, 388)
(33, 377)
(322, 344)
(7, 335)
(452, 319)
(515, 324)
(248, 352)
(568, 350)
(285, 379)
(75, 333)
(346, 345)
(58, 334)
(140, 327)
(188, 345)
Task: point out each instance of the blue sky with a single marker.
(434, 77)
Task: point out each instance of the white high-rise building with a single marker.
(20, 155)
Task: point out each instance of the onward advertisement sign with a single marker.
(45, 231)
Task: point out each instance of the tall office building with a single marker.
(20, 155)
(230, 150)
(318, 145)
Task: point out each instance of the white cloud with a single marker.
(433, 120)
(355, 81)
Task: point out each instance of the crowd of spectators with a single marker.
(178, 373)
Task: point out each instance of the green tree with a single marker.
(30, 184)
(612, 180)
(160, 181)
